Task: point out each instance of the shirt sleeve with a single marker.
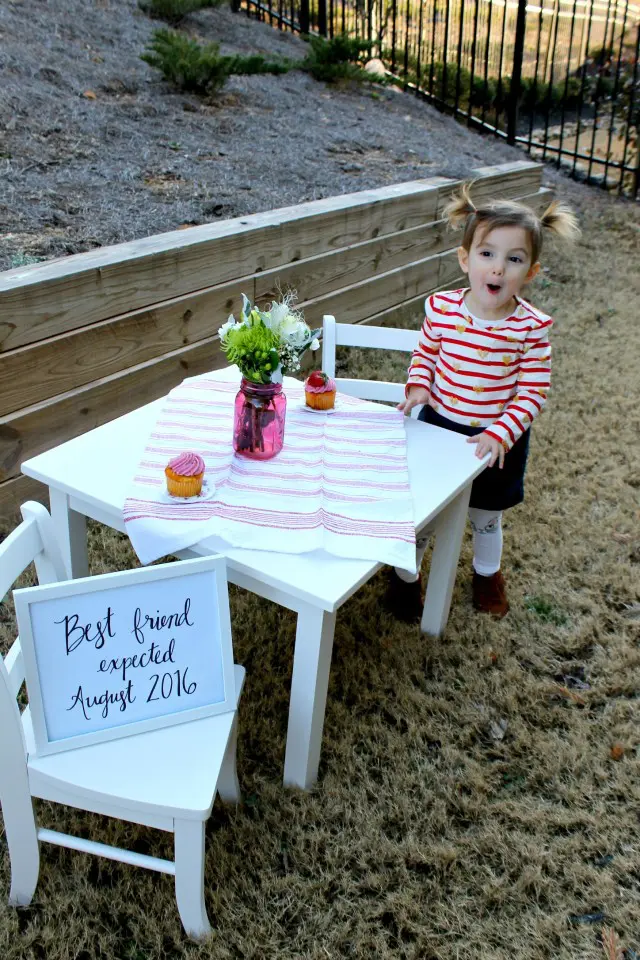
(534, 380)
(424, 357)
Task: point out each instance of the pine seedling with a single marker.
(338, 59)
(202, 69)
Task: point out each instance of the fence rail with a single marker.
(559, 78)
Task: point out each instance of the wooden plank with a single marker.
(42, 426)
(360, 263)
(353, 304)
(505, 182)
(59, 364)
(13, 493)
(47, 299)
(51, 298)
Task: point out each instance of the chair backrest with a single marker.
(32, 542)
(363, 335)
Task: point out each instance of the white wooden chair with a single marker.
(164, 778)
(361, 335)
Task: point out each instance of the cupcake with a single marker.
(185, 474)
(319, 391)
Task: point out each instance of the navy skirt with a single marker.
(494, 489)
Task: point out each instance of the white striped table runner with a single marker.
(340, 483)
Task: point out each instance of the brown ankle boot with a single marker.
(490, 595)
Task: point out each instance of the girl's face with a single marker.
(498, 265)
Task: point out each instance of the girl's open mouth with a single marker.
(493, 287)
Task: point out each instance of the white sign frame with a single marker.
(217, 634)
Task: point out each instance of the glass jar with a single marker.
(258, 422)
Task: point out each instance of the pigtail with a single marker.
(561, 220)
(460, 207)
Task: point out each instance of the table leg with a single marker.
(309, 683)
(450, 525)
(71, 533)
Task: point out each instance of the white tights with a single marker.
(487, 544)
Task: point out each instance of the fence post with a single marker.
(322, 17)
(304, 16)
(514, 88)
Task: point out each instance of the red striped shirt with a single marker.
(481, 373)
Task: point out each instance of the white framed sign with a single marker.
(122, 653)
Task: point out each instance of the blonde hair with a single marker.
(462, 211)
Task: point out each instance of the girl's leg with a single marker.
(403, 596)
(422, 543)
(489, 594)
(487, 540)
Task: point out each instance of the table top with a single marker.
(96, 471)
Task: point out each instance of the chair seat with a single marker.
(168, 772)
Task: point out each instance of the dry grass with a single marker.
(432, 832)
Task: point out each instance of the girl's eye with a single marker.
(516, 259)
(485, 253)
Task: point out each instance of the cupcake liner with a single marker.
(183, 486)
(320, 401)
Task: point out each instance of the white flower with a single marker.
(226, 327)
(294, 330)
(277, 314)
(315, 344)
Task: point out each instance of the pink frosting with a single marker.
(187, 464)
(327, 388)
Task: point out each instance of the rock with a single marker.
(376, 67)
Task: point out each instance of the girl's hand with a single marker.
(417, 397)
(488, 444)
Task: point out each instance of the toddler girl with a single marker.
(482, 368)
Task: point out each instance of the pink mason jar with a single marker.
(258, 422)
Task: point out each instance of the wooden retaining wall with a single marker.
(89, 337)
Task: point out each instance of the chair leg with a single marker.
(228, 786)
(189, 859)
(24, 853)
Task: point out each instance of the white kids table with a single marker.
(90, 476)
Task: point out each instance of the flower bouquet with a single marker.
(265, 345)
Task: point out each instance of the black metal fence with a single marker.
(560, 79)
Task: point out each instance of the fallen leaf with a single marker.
(617, 751)
(622, 537)
(498, 730)
(90, 95)
(571, 695)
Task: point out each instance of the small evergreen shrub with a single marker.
(174, 11)
(201, 69)
(338, 59)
